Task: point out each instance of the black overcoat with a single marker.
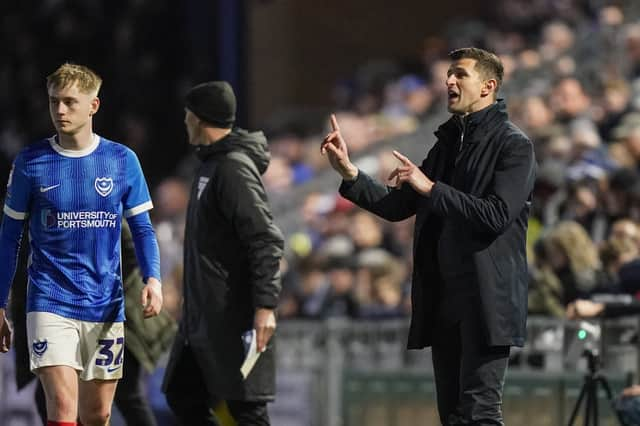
(487, 202)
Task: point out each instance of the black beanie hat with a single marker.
(213, 102)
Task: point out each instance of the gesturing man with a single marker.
(471, 197)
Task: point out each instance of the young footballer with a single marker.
(74, 188)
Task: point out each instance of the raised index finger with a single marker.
(334, 123)
(401, 157)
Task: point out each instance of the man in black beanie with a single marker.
(231, 271)
(213, 102)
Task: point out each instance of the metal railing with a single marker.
(328, 370)
(328, 351)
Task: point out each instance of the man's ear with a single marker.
(95, 105)
(490, 86)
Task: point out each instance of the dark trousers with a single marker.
(129, 397)
(469, 374)
(191, 403)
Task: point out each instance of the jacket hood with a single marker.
(254, 144)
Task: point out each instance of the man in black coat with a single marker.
(231, 270)
(471, 197)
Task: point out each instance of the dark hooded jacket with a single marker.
(231, 266)
(473, 225)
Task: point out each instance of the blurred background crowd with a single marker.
(572, 82)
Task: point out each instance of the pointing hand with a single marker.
(410, 173)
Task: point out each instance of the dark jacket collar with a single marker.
(221, 146)
(254, 144)
(476, 125)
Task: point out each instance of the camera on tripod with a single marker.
(616, 341)
(586, 338)
(585, 343)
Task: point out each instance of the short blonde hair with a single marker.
(68, 74)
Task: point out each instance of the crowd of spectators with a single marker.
(572, 82)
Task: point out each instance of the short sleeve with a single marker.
(137, 198)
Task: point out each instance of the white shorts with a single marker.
(95, 349)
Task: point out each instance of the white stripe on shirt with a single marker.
(14, 214)
(138, 209)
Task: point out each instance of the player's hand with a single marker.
(410, 173)
(584, 309)
(152, 298)
(631, 391)
(5, 333)
(264, 322)
(335, 148)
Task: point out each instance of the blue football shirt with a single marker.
(75, 201)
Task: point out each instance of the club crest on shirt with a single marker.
(39, 347)
(104, 186)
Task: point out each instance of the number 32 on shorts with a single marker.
(112, 351)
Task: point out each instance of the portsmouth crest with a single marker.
(39, 347)
(104, 186)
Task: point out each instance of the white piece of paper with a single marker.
(251, 353)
